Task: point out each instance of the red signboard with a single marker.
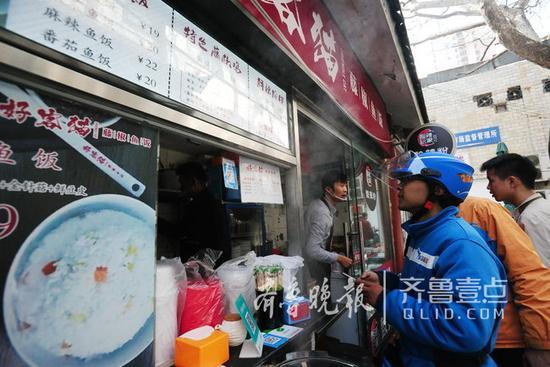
(306, 29)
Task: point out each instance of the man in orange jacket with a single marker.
(526, 322)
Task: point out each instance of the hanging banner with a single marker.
(77, 231)
(260, 182)
(307, 31)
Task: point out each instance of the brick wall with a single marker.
(524, 126)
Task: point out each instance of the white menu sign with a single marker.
(127, 38)
(207, 76)
(268, 109)
(260, 182)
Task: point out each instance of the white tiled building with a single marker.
(486, 95)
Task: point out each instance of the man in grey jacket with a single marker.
(319, 222)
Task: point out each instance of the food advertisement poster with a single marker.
(77, 232)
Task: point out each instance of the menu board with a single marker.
(149, 44)
(212, 79)
(207, 76)
(77, 231)
(268, 109)
(125, 38)
(260, 182)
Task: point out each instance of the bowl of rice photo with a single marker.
(80, 291)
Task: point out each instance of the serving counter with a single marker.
(304, 341)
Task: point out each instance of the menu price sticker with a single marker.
(149, 44)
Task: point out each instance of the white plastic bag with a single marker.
(237, 278)
(170, 286)
(290, 264)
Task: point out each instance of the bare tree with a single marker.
(508, 21)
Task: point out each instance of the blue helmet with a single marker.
(445, 169)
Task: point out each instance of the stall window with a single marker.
(230, 225)
(320, 152)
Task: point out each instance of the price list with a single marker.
(127, 38)
(207, 76)
(268, 109)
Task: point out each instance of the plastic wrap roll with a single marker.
(166, 303)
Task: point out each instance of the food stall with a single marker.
(103, 101)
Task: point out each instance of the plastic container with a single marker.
(237, 278)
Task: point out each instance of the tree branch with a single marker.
(521, 4)
(448, 15)
(487, 48)
(537, 3)
(440, 4)
(512, 39)
(448, 33)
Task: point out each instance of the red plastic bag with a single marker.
(204, 302)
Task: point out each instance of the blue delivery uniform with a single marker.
(450, 250)
(451, 294)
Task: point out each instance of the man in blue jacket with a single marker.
(449, 299)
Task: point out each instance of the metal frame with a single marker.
(154, 112)
(294, 192)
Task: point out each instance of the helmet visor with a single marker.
(403, 166)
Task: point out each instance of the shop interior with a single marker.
(217, 218)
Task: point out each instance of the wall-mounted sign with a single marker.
(474, 138)
(149, 44)
(307, 31)
(260, 182)
(431, 138)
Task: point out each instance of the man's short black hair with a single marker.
(331, 177)
(193, 170)
(512, 164)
